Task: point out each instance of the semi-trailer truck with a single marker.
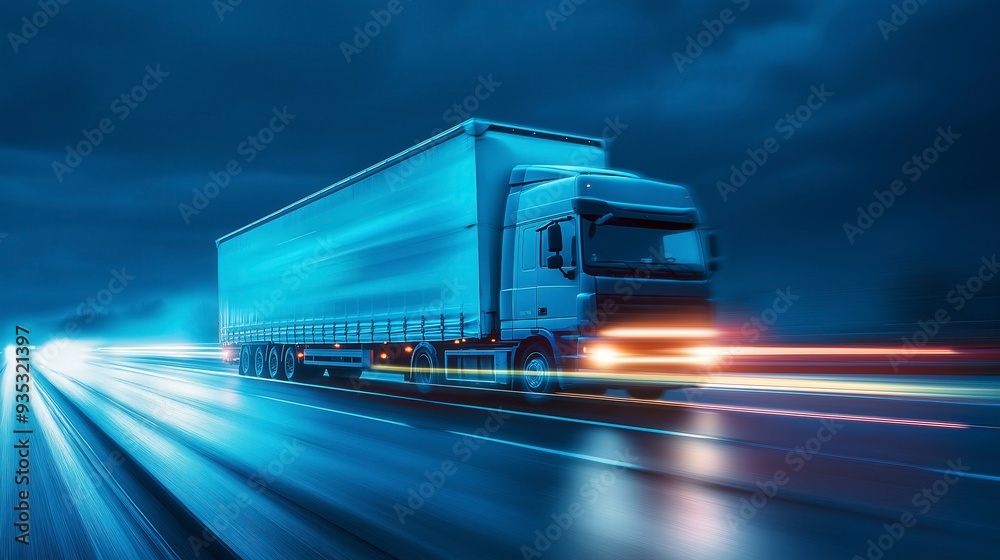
(489, 255)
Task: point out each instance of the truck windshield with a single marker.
(663, 249)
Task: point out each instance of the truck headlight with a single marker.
(601, 355)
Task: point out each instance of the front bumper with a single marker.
(635, 361)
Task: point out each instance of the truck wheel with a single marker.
(246, 363)
(537, 378)
(259, 361)
(645, 393)
(293, 370)
(274, 369)
(423, 367)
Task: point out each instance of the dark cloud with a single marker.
(605, 60)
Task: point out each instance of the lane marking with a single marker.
(571, 455)
(344, 412)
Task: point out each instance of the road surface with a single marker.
(167, 453)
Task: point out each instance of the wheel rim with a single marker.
(258, 362)
(245, 360)
(536, 372)
(290, 364)
(422, 371)
(273, 363)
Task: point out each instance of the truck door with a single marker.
(525, 274)
(556, 296)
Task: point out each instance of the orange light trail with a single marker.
(819, 351)
(652, 332)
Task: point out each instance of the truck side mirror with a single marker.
(713, 252)
(554, 261)
(555, 239)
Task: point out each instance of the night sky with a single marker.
(838, 101)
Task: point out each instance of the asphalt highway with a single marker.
(168, 453)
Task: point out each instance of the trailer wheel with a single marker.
(537, 378)
(423, 367)
(259, 361)
(294, 371)
(274, 369)
(246, 363)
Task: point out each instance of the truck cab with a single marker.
(611, 272)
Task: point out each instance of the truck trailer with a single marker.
(489, 255)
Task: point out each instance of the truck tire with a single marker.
(537, 377)
(424, 367)
(259, 361)
(293, 370)
(274, 369)
(246, 360)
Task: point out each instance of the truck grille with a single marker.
(655, 310)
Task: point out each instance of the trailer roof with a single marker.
(473, 127)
